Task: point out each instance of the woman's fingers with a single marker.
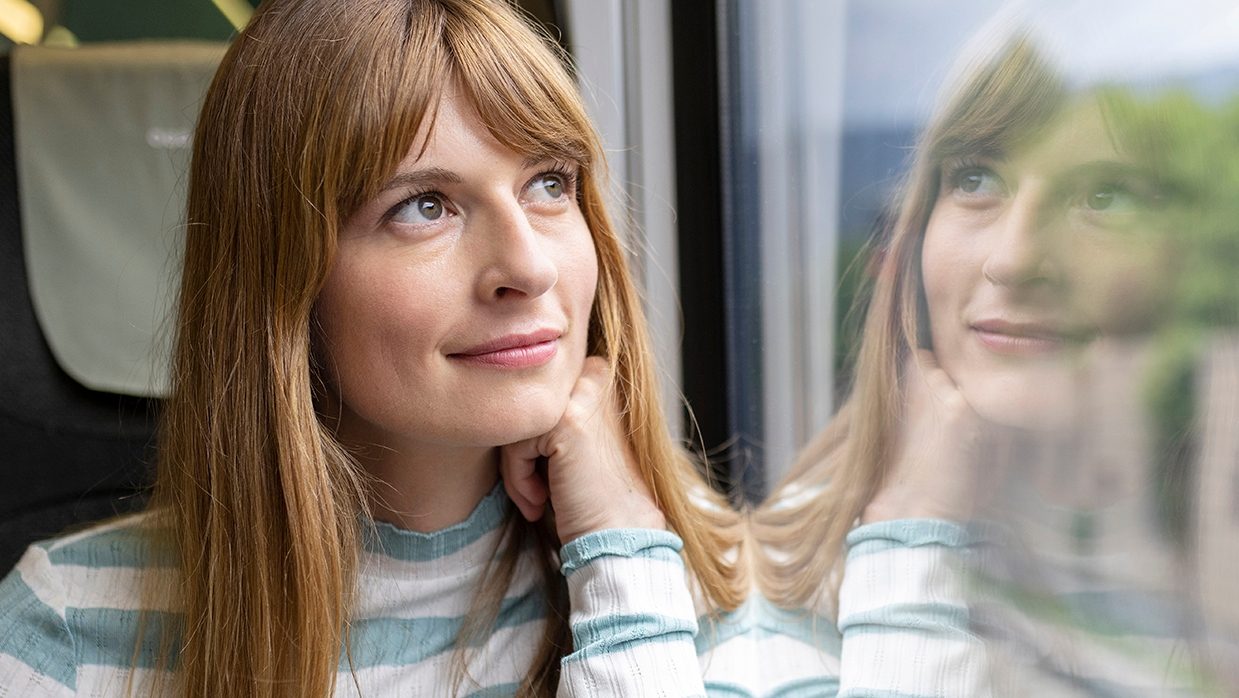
(929, 376)
(934, 472)
(591, 475)
(591, 386)
(518, 465)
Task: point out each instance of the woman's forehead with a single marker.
(1077, 135)
(1080, 132)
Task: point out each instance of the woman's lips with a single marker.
(516, 357)
(1017, 345)
(513, 351)
(1021, 338)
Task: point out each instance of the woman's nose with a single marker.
(516, 258)
(1021, 253)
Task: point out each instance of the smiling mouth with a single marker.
(1026, 339)
(512, 351)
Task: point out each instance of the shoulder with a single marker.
(102, 558)
(44, 598)
(103, 566)
(61, 568)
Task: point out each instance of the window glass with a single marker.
(823, 105)
(1050, 185)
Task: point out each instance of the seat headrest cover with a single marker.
(102, 143)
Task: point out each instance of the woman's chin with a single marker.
(1042, 402)
(512, 428)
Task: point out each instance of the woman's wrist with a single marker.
(636, 516)
(892, 507)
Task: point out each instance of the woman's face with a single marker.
(1030, 258)
(458, 307)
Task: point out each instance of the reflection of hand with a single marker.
(591, 474)
(934, 472)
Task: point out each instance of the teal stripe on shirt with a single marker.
(760, 619)
(43, 642)
(108, 636)
(816, 687)
(623, 542)
(720, 689)
(406, 641)
(870, 693)
(907, 533)
(504, 690)
(414, 546)
(938, 618)
(600, 636)
(136, 545)
(717, 632)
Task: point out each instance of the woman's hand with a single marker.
(591, 476)
(935, 471)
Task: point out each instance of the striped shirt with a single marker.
(71, 610)
(902, 631)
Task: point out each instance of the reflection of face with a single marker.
(457, 310)
(1031, 256)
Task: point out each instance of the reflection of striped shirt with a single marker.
(903, 631)
(70, 611)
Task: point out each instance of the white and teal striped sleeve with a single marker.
(37, 654)
(903, 614)
(633, 620)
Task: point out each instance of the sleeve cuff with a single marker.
(619, 542)
(915, 533)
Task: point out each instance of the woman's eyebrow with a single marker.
(960, 150)
(536, 159)
(421, 178)
(1107, 165)
(1101, 169)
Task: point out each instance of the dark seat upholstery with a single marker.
(68, 455)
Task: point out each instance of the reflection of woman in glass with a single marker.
(1027, 244)
(397, 263)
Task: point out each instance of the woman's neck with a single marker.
(427, 488)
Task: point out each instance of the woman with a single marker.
(1028, 241)
(397, 262)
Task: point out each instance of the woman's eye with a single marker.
(548, 186)
(1110, 198)
(977, 181)
(425, 208)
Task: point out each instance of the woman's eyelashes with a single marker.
(1105, 196)
(972, 182)
(419, 209)
(1114, 201)
(550, 188)
(555, 185)
(1109, 198)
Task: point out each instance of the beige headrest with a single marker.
(102, 135)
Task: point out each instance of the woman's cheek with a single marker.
(1125, 292)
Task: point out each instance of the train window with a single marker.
(796, 122)
(68, 22)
